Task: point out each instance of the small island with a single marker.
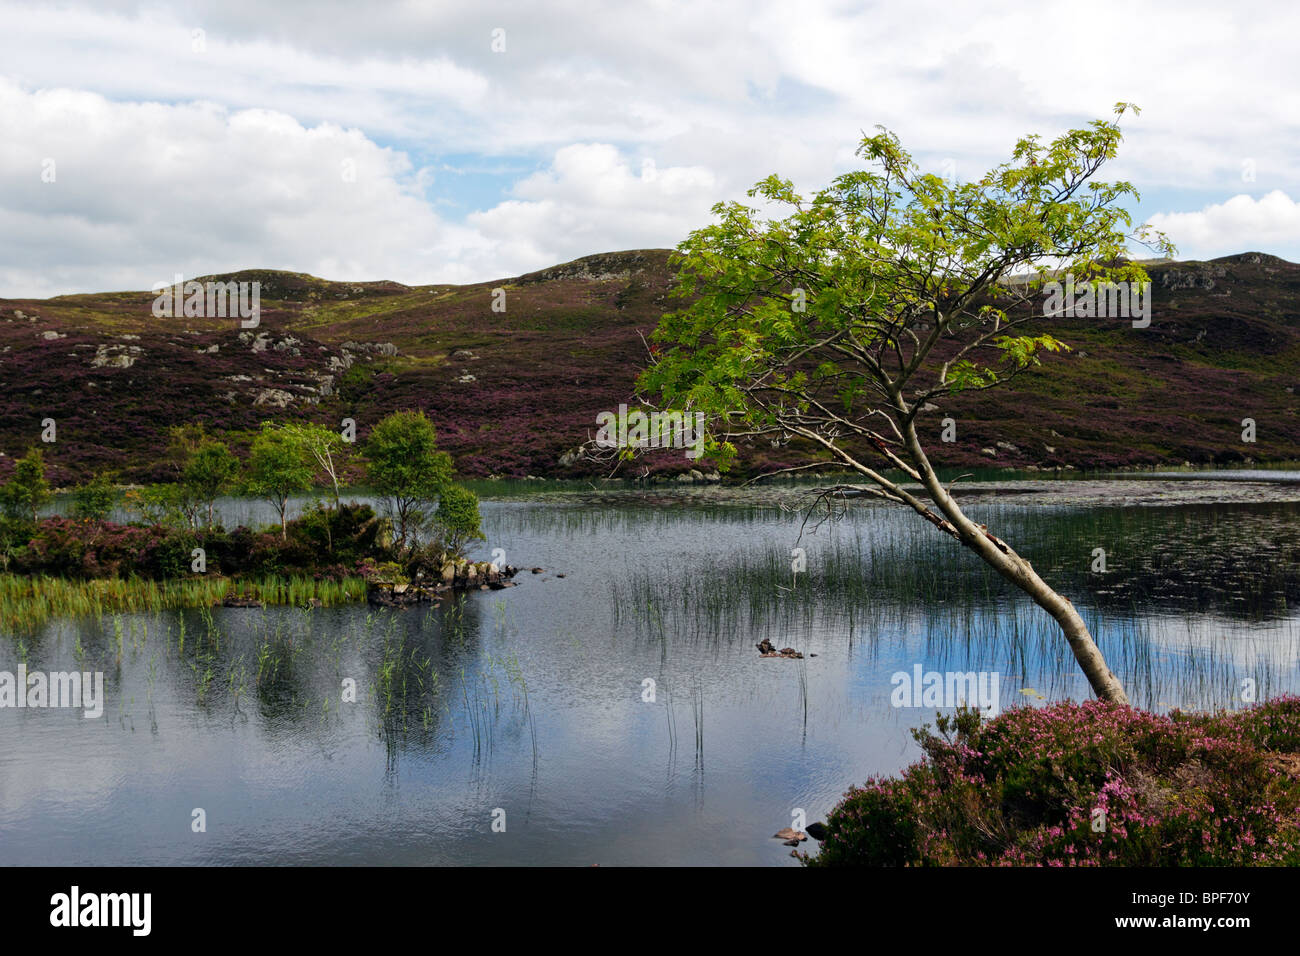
(174, 552)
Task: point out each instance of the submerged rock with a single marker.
(767, 649)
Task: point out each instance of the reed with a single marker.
(28, 602)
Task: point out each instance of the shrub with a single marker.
(89, 548)
(66, 547)
(166, 505)
(27, 491)
(877, 823)
(1030, 787)
(458, 518)
(94, 499)
(14, 535)
(339, 535)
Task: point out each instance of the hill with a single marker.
(513, 391)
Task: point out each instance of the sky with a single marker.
(463, 142)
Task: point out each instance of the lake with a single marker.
(613, 708)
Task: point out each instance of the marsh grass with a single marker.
(29, 602)
(890, 585)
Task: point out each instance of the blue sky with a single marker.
(437, 142)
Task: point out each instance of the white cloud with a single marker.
(1241, 224)
(644, 207)
(718, 94)
(141, 191)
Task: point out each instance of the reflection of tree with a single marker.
(429, 668)
(279, 682)
(416, 664)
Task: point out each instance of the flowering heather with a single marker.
(1090, 784)
(89, 549)
(510, 393)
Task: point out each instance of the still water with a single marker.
(613, 708)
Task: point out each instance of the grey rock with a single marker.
(115, 356)
(274, 397)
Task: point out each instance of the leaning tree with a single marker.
(838, 322)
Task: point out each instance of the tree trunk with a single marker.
(1020, 572)
(1104, 683)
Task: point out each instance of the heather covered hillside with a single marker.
(513, 392)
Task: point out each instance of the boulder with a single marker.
(115, 356)
(274, 397)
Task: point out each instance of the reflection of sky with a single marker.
(616, 779)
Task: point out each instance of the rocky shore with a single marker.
(457, 575)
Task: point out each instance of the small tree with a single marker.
(14, 535)
(326, 447)
(27, 492)
(406, 469)
(888, 289)
(182, 442)
(278, 467)
(458, 517)
(164, 504)
(94, 499)
(209, 472)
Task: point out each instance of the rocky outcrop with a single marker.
(115, 356)
(386, 349)
(597, 268)
(275, 397)
(1198, 276)
(457, 575)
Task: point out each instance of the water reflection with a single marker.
(620, 713)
